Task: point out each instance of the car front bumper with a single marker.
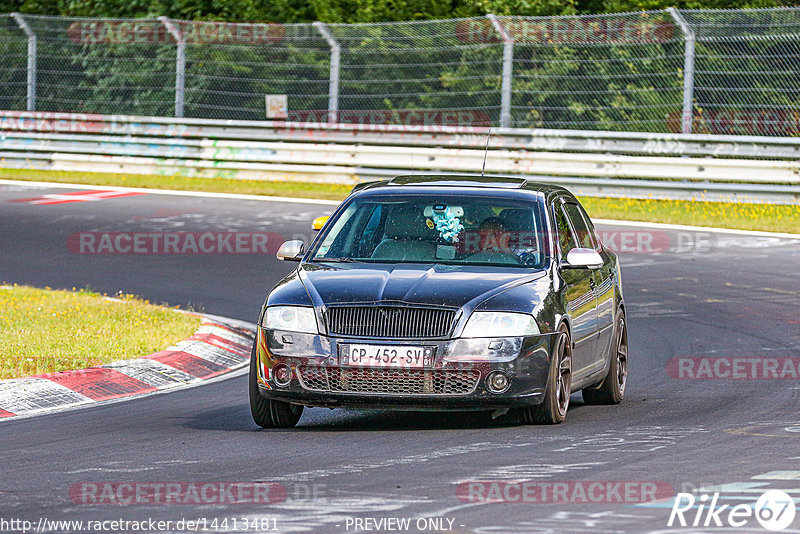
(456, 380)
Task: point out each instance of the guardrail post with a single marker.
(508, 60)
(180, 63)
(23, 24)
(333, 86)
(688, 68)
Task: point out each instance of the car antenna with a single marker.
(486, 152)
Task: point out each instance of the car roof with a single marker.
(455, 181)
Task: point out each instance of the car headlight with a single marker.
(291, 319)
(500, 324)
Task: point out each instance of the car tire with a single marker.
(612, 389)
(553, 409)
(269, 413)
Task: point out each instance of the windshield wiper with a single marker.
(337, 260)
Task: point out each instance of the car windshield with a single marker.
(449, 229)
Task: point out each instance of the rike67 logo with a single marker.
(775, 510)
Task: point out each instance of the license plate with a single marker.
(386, 356)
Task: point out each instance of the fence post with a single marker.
(180, 63)
(333, 86)
(23, 24)
(508, 60)
(688, 69)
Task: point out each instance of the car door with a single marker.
(604, 289)
(581, 302)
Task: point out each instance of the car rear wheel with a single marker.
(612, 389)
(268, 413)
(559, 386)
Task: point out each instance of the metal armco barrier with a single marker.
(340, 153)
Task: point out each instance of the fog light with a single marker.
(282, 374)
(498, 382)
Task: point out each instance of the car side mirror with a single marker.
(583, 258)
(291, 250)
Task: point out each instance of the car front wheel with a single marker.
(553, 409)
(268, 413)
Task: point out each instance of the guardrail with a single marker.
(342, 153)
(622, 143)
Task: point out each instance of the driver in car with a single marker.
(493, 236)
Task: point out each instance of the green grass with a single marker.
(44, 330)
(766, 217)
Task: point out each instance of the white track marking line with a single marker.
(614, 222)
(264, 198)
(174, 192)
(778, 475)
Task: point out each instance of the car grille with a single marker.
(389, 381)
(390, 322)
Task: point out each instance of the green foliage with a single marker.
(287, 11)
(577, 81)
(618, 6)
(13, 66)
(609, 85)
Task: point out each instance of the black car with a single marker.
(444, 293)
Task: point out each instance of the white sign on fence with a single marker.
(277, 106)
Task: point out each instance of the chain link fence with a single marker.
(705, 71)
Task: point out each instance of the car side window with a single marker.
(566, 241)
(583, 234)
(592, 229)
(371, 234)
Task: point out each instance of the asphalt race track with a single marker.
(714, 297)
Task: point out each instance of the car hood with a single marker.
(439, 285)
